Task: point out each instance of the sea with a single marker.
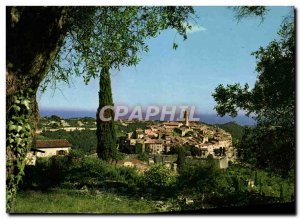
(206, 118)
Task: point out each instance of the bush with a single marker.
(199, 175)
(96, 172)
(47, 172)
(86, 140)
(77, 169)
(143, 156)
(159, 176)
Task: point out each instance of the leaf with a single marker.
(16, 108)
(175, 46)
(18, 141)
(27, 126)
(26, 103)
(19, 128)
(11, 127)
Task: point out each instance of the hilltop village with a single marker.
(162, 138)
(157, 140)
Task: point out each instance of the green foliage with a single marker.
(143, 156)
(273, 97)
(198, 178)
(268, 148)
(84, 140)
(181, 155)
(231, 187)
(159, 177)
(18, 142)
(77, 170)
(199, 175)
(266, 183)
(106, 133)
(55, 118)
(94, 38)
(250, 11)
(54, 126)
(120, 35)
(131, 127)
(120, 155)
(62, 201)
(112, 37)
(271, 144)
(102, 38)
(230, 97)
(195, 151)
(48, 172)
(76, 154)
(234, 129)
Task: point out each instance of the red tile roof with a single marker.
(171, 124)
(154, 141)
(55, 143)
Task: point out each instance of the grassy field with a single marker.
(74, 201)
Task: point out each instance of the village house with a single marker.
(140, 165)
(154, 146)
(64, 123)
(139, 133)
(167, 138)
(184, 129)
(151, 134)
(158, 139)
(30, 158)
(53, 147)
(48, 148)
(171, 125)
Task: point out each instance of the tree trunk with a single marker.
(34, 36)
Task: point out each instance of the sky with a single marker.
(217, 51)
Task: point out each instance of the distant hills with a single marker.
(206, 118)
(234, 129)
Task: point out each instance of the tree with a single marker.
(181, 156)
(48, 44)
(200, 175)
(55, 118)
(159, 177)
(106, 133)
(34, 36)
(249, 11)
(123, 31)
(272, 100)
(195, 151)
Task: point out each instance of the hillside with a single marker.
(234, 129)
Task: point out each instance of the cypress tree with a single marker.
(181, 156)
(106, 134)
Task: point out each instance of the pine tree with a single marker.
(106, 134)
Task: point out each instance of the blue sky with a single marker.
(217, 51)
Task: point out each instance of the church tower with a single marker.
(186, 118)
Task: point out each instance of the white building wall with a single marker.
(51, 151)
(31, 157)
